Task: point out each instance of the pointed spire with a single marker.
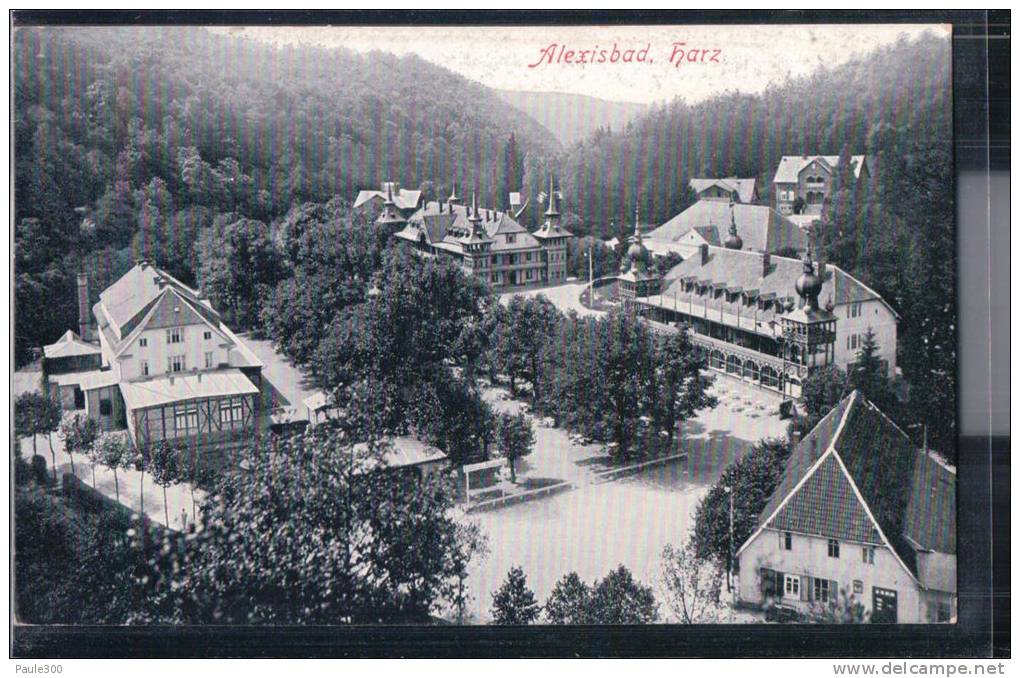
(733, 241)
(453, 196)
(637, 231)
(553, 211)
(389, 215)
(473, 210)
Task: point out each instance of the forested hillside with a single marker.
(148, 136)
(905, 86)
(573, 117)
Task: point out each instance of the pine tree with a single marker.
(514, 603)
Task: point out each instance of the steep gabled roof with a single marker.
(129, 299)
(791, 165)
(404, 199)
(445, 227)
(867, 484)
(760, 227)
(69, 345)
(743, 187)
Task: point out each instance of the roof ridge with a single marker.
(852, 398)
(871, 515)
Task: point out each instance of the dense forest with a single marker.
(649, 163)
(215, 155)
(132, 141)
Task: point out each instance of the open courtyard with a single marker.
(604, 523)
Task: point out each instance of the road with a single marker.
(564, 297)
(594, 528)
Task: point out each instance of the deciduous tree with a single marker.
(319, 531)
(515, 438)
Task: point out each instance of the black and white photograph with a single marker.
(483, 325)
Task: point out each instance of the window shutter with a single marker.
(804, 581)
(834, 590)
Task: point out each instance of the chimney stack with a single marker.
(766, 261)
(704, 253)
(83, 307)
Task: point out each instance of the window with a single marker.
(943, 612)
(145, 368)
(510, 238)
(858, 586)
(529, 256)
(208, 359)
(186, 417)
(495, 259)
(833, 548)
(143, 342)
(791, 586)
(868, 555)
(175, 335)
(175, 363)
(231, 411)
(494, 277)
(786, 541)
(821, 590)
(207, 335)
(105, 407)
(853, 310)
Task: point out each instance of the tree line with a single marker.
(133, 142)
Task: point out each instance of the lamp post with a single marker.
(591, 271)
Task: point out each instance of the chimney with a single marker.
(704, 253)
(83, 306)
(766, 261)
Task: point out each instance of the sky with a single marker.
(745, 58)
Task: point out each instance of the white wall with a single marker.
(809, 557)
(880, 319)
(158, 350)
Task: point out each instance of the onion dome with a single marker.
(733, 240)
(637, 253)
(809, 285)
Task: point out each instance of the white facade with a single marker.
(853, 322)
(809, 557)
(200, 348)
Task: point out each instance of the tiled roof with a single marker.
(709, 233)
(126, 301)
(743, 187)
(760, 227)
(740, 268)
(826, 505)
(910, 495)
(404, 199)
(452, 227)
(804, 455)
(791, 165)
(69, 345)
